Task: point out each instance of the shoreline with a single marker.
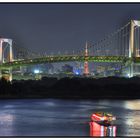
(72, 88)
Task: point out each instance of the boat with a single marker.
(103, 118)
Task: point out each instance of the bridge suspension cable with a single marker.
(115, 44)
(24, 53)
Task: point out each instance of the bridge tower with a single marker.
(86, 68)
(132, 49)
(9, 41)
(6, 73)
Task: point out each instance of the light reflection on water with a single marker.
(132, 104)
(50, 117)
(133, 118)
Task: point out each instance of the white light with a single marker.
(36, 71)
(137, 22)
(77, 73)
(128, 75)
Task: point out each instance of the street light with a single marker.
(36, 71)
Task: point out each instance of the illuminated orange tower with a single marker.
(86, 69)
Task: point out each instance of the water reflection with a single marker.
(50, 117)
(132, 104)
(97, 130)
(132, 118)
(6, 124)
(6, 118)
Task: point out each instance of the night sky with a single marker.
(59, 27)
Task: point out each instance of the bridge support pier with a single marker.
(131, 70)
(6, 74)
(21, 70)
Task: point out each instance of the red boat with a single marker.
(102, 117)
(101, 125)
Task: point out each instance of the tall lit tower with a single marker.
(86, 69)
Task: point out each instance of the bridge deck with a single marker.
(64, 58)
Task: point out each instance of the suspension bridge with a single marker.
(121, 46)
